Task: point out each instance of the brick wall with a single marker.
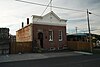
(45, 30)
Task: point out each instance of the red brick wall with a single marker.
(45, 29)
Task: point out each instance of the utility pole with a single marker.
(76, 29)
(89, 29)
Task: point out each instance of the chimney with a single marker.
(27, 21)
(22, 24)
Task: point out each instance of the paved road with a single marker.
(69, 61)
(32, 56)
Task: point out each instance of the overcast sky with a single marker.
(13, 13)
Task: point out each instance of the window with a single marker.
(60, 35)
(50, 35)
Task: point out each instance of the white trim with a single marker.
(52, 36)
(49, 23)
(34, 16)
(60, 35)
(45, 20)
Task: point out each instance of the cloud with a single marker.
(13, 13)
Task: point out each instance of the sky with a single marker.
(13, 13)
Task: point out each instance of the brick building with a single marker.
(47, 32)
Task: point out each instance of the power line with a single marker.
(96, 14)
(45, 9)
(95, 8)
(55, 7)
(42, 13)
(51, 6)
(90, 30)
(95, 29)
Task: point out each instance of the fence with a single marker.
(23, 47)
(78, 45)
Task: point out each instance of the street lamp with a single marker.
(89, 29)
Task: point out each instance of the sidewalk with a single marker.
(32, 56)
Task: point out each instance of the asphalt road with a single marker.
(70, 61)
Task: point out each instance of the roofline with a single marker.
(63, 20)
(49, 13)
(24, 27)
(37, 16)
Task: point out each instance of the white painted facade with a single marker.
(49, 19)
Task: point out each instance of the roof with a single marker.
(78, 34)
(37, 16)
(24, 27)
(50, 13)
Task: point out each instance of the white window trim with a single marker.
(61, 36)
(52, 36)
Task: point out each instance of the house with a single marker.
(4, 41)
(47, 32)
(78, 37)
